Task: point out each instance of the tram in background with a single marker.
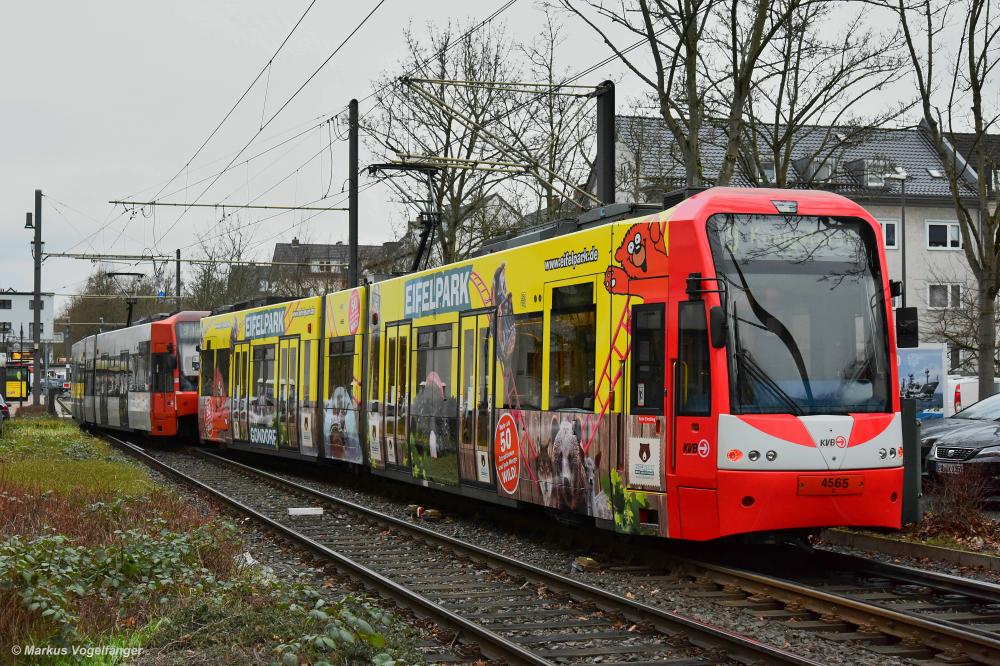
(140, 378)
(723, 367)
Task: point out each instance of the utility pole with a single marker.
(352, 220)
(36, 338)
(177, 280)
(605, 94)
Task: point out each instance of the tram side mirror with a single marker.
(907, 332)
(895, 288)
(717, 326)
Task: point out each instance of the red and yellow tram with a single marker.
(723, 367)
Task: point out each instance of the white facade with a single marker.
(932, 268)
(16, 311)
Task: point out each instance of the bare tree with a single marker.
(953, 78)
(406, 124)
(222, 278)
(704, 56)
(103, 298)
(956, 325)
(812, 79)
(556, 127)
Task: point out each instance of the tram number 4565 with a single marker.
(841, 484)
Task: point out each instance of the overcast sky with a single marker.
(107, 100)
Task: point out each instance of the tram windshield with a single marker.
(188, 336)
(806, 312)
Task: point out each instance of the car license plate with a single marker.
(834, 484)
(949, 468)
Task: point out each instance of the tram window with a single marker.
(143, 370)
(207, 371)
(647, 359)
(263, 374)
(390, 370)
(693, 380)
(163, 372)
(222, 370)
(572, 347)
(522, 370)
(434, 408)
(307, 370)
(373, 367)
(341, 366)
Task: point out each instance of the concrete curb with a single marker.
(908, 549)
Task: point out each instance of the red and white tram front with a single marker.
(801, 379)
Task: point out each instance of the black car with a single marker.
(970, 437)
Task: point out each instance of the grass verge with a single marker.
(93, 554)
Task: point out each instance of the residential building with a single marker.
(17, 314)
(868, 165)
(303, 269)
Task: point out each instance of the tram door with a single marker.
(692, 455)
(240, 391)
(396, 400)
(475, 401)
(288, 401)
(646, 423)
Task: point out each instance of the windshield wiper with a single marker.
(774, 325)
(748, 365)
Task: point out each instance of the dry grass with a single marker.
(955, 515)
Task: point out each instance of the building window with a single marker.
(31, 328)
(5, 304)
(944, 236)
(935, 173)
(889, 235)
(31, 304)
(6, 327)
(875, 171)
(944, 296)
(323, 266)
(767, 174)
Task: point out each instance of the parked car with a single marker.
(4, 414)
(970, 437)
(53, 383)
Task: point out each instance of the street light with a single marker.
(902, 177)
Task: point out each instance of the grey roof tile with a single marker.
(908, 149)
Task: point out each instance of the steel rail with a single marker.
(911, 628)
(490, 644)
(743, 648)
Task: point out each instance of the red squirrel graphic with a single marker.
(642, 254)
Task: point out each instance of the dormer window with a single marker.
(816, 169)
(935, 173)
(767, 173)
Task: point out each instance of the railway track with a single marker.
(511, 611)
(913, 614)
(910, 614)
